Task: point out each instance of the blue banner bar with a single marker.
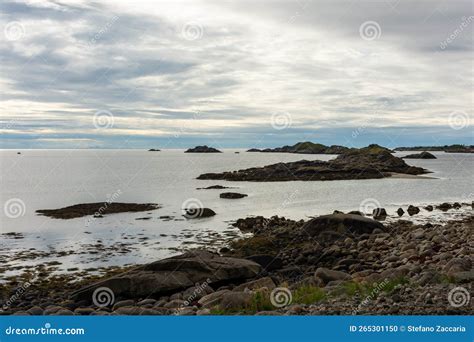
(238, 328)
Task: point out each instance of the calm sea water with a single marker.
(45, 179)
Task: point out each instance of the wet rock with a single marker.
(422, 155)
(429, 208)
(232, 195)
(400, 212)
(193, 213)
(379, 214)
(97, 209)
(412, 210)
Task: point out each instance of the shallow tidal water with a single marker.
(48, 179)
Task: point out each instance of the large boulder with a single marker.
(175, 274)
(338, 225)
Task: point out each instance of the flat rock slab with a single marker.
(175, 274)
(96, 209)
(232, 195)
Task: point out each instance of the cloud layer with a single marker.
(235, 73)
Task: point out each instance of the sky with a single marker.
(174, 74)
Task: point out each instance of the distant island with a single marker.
(202, 149)
(446, 148)
(154, 150)
(370, 162)
(422, 155)
(306, 147)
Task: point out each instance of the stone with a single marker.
(379, 214)
(412, 210)
(122, 303)
(236, 300)
(266, 282)
(232, 195)
(336, 225)
(212, 299)
(147, 301)
(35, 311)
(268, 262)
(400, 212)
(327, 275)
(194, 213)
(175, 274)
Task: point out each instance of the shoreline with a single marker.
(299, 276)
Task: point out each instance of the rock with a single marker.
(192, 213)
(327, 275)
(35, 311)
(154, 150)
(128, 302)
(418, 233)
(429, 208)
(400, 212)
(128, 310)
(215, 187)
(202, 149)
(268, 262)
(203, 312)
(236, 300)
(379, 214)
(422, 155)
(232, 195)
(256, 284)
(64, 312)
(175, 303)
(97, 209)
(147, 301)
(412, 210)
(444, 206)
(212, 299)
(458, 265)
(84, 311)
(175, 274)
(340, 224)
(365, 163)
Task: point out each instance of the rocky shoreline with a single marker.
(332, 264)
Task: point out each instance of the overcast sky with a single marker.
(135, 74)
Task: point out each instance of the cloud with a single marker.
(221, 69)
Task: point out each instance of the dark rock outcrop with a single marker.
(202, 149)
(379, 214)
(96, 209)
(232, 195)
(192, 213)
(422, 155)
(154, 150)
(306, 147)
(412, 210)
(366, 163)
(174, 274)
(217, 187)
(400, 212)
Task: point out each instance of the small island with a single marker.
(154, 150)
(306, 147)
(202, 149)
(456, 148)
(422, 155)
(370, 162)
